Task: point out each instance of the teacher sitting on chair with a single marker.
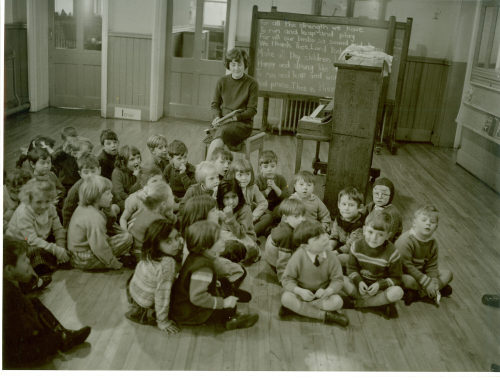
(234, 104)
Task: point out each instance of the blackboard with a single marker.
(294, 54)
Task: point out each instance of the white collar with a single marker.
(312, 256)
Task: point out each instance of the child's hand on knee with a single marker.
(432, 288)
(373, 289)
(363, 288)
(320, 293)
(61, 255)
(170, 328)
(305, 294)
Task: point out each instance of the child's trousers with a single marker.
(312, 309)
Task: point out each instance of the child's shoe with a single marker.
(128, 261)
(72, 338)
(334, 317)
(410, 296)
(390, 311)
(285, 312)
(242, 321)
(446, 291)
(491, 300)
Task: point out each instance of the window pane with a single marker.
(184, 20)
(214, 20)
(64, 24)
(92, 25)
(490, 33)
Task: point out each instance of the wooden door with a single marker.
(198, 30)
(75, 35)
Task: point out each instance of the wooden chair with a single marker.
(254, 142)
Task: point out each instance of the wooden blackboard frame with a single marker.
(392, 27)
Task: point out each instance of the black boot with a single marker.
(72, 338)
(390, 311)
(410, 296)
(446, 291)
(334, 317)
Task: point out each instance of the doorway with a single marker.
(198, 32)
(75, 40)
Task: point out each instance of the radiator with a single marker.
(292, 111)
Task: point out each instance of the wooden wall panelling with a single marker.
(16, 47)
(422, 98)
(129, 72)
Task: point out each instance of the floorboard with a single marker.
(460, 335)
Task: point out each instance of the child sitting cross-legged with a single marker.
(31, 333)
(196, 296)
(279, 244)
(207, 180)
(236, 220)
(348, 224)
(157, 200)
(36, 221)
(242, 171)
(148, 290)
(313, 277)
(231, 274)
(88, 241)
(179, 173)
(419, 251)
(13, 181)
(158, 146)
(383, 195)
(272, 184)
(124, 177)
(374, 267)
(303, 183)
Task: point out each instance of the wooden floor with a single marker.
(461, 335)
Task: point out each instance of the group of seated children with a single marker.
(190, 231)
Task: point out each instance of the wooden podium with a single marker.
(357, 93)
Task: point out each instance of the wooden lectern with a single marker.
(357, 93)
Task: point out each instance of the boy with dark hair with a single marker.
(347, 226)
(31, 333)
(374, 267)
(279, 244)
(109, 142)
(313, 277)
(222, 158)
(64, 161)
(179, 173)
(419, 250)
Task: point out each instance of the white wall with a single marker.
(15, 11)
(131, 16)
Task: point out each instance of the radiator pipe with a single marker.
(22, 107)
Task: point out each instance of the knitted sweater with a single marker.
(273, 199)
(315, 210)
(124, 183)
(194, 190)
(35, 229)
(301, 271)
(282, 238)
(138, 225)
(381, 264)
(87, 232)
(232, 94)
(346, 233)
(107, 162)
(420, 258)
(71, 203)
(179, 183)
(256, 200)
(397, 221)
(194, 294)
(151, 285)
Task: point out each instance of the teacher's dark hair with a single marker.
(236, 55)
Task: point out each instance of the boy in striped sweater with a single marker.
(374, 267)
(419, 251)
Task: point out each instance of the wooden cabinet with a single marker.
(357, 93)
